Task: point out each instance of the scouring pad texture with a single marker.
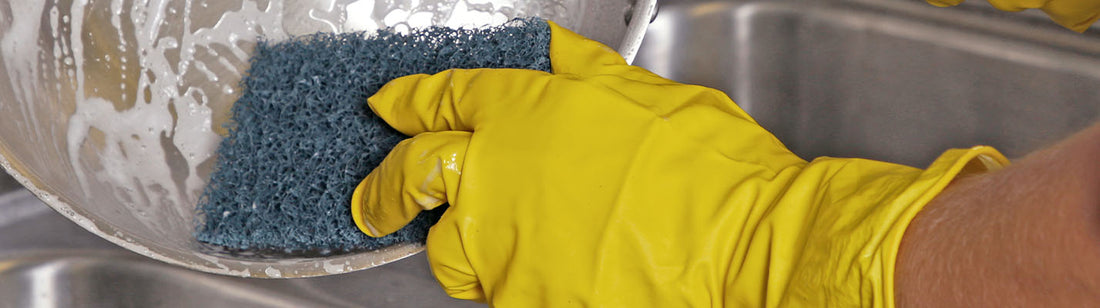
(301, 136)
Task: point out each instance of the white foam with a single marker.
(273, 272)
(135, 158)
(333, 268)
(371, 15)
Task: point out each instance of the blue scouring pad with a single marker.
(301, 136)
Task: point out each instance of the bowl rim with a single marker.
(643, 12)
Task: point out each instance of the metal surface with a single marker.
(110, 110)
(47, 261)
(891, 80)
(899, 81)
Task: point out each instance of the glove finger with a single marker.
(571, 53)
(1074, 15)
(454, 99)
(944, 3)
(1017, 5)
(420, 103)
(420, 173)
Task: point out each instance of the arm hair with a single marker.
(1028, 235)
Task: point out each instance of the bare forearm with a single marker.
(1028, 235)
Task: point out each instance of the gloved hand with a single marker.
(603, 184)
(1077, 15)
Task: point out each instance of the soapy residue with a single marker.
(169, 122)
(176, 80)
(127, 98)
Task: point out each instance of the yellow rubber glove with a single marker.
(603, 184)
(1077, 15)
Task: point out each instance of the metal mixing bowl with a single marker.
(110, 110)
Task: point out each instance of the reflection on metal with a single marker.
(889, 80)
(110, 111)
(899, 81)
(47, 261)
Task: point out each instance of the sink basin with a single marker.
(899, 81)
(893, 80)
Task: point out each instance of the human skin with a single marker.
(1024, 236)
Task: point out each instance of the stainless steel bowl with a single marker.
(110, 110)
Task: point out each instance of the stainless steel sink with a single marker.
(894, 80)
(891, 80)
